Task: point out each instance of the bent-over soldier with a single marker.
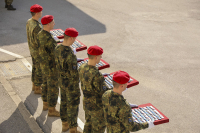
(32, 29)
(47, 46)
(66, 63)
(93, 87)
(117, 111)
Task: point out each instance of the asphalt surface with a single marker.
(156, 42)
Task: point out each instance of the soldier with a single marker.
(8, 5)
(93, 87)
(32, 29)
(47, 46)
(117, 111)
(66, 62)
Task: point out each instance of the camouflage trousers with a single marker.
(8, 2)
(50, 89)
(95, 122)
(70, 101)
(36, 72)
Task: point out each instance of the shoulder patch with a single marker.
(74, 67)
(130, 119)
(104, 88)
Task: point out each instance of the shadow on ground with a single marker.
(13, 23)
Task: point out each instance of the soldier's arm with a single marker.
(34, 35)
(98, 83)
(44, 54)
(126, 119)
(67, 65)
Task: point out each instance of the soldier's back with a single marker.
(91, 77)
(114, 106)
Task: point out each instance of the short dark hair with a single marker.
(116, 85)
(66, 37)
(33, 14)
(91, 56)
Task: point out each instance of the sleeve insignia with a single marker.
(130, 119)
(104, 88)
(74, 67)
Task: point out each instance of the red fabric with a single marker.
(72, 32)
(36, 8)
(95, 50)
(46, 19)
(121, 77)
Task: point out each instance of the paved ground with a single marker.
(156, 42)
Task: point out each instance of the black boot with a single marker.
(6, 6)
(10, 7)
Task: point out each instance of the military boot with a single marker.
(74, 130)
(53, 112)
(65, 126)
(38, 90)
(45, 106)
(10, 7)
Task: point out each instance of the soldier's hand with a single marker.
(133, 105)
(104, 74)
(74, 49)
(79, 59)
(151, 124)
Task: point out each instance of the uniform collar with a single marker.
(48, 33)
(67, 47)
(35, 20)
(116, 94)
(91, 66)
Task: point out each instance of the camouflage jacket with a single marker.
(93, 87)
(46, 51)
(32, 29)
(117, 113)
(66, 63)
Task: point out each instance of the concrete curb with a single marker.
(22, 108)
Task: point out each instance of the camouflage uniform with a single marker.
(32, 29)
(8, 2)
(93, 87)
(50, 88)
(117, 113)
(66, 63)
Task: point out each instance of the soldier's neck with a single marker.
(46, 28)
(91, 62)
(35, 18)
(117, 91)
(66, 43)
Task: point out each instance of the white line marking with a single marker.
(28, 65)
(10, 53)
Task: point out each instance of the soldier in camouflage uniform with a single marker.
(93, 87)
(8, 5)
(66, 63)
(32, 29)
(47, 46)
(117, 111)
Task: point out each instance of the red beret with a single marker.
(72, 32)
(36, 8)
(121, 77)
(46, 19)
(95, 50)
